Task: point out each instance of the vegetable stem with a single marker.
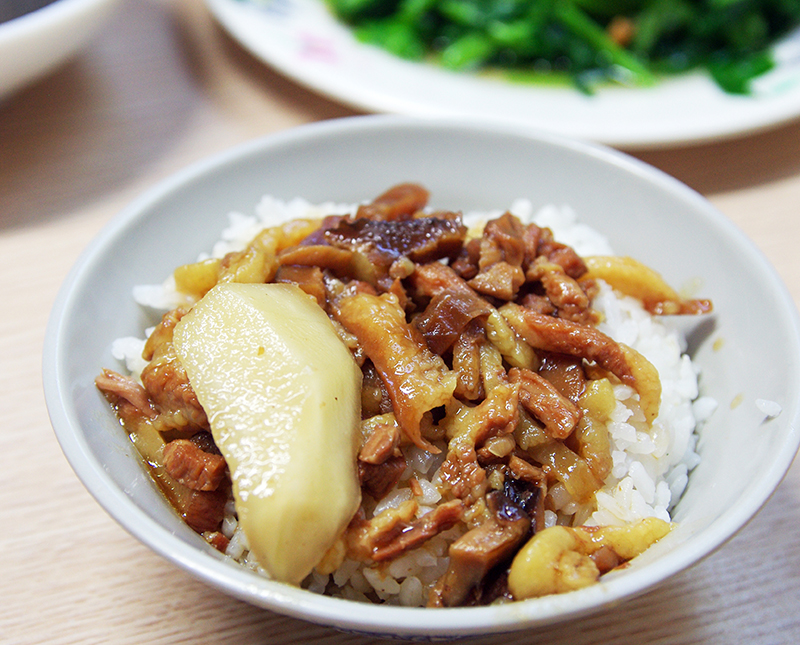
(580, 24)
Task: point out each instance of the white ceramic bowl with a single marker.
(748, 350)
(37, 42)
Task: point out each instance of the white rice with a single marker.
(650, 465)
(770, 408)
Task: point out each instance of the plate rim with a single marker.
(740, 120)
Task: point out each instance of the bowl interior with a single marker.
(747, 350)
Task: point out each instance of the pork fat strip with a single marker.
(417, 379)
(539, 397)
(448, 315)
(566, 337)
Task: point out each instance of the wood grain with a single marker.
(162, 86)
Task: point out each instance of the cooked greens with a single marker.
(589, 41)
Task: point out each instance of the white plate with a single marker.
(302, 40)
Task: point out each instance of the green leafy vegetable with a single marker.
(591, 41)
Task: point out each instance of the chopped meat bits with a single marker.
(486, 390)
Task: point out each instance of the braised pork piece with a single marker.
(481, 349)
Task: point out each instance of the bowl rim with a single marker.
(382, 619)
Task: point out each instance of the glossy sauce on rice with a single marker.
(650, 462)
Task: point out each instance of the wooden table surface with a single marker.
(163, 86)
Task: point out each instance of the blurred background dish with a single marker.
(37, 35)
(643, 212)
(301, 39)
